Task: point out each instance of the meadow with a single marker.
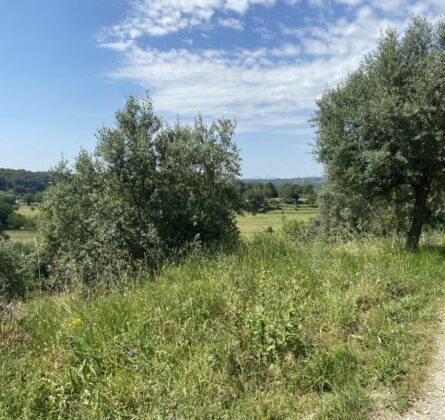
(28, 211)
(277, 328)
(21, 235)
(25, 236)
(250, 224)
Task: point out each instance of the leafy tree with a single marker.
(7, 207)
(381, 133)
(290, 192)
(12, 283)
(255, 200)
(307, 189)
(16, 220)
(150, 190)
(270, 190)
(312, 199)
(29, 198)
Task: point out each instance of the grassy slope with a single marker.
(272, 331)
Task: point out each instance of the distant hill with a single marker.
(23, 182)
(316, 181)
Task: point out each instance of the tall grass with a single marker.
(272, 330)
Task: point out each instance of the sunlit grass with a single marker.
(23, 236)
(29, 211)
(276, 329)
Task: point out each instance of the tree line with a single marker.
(24, 183)
(257, 197)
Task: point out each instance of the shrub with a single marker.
(148, 191)
(12, 284)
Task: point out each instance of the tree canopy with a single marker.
(381, 132)
(149, 190)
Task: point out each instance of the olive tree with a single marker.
(12, 284)
(381, 132)
(149, 190)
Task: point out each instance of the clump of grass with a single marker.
(272, 330)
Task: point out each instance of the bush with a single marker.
(300, 231)
(16, 221)
(12, 283)
(148, 191)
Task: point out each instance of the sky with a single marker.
(67, 65)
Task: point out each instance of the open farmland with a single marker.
(250, 224)
(28, 211)
(25, 236)
(22, 235)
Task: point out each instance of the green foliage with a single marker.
(16, 221)
(12, 283)
(149, 191)
(312, 199)
(290, 192)
(276, 329)
(316, 182)
(255, 201)
(255, 196)
(345, 215)
(29, 198)
(7, 208)
(381, 132)
(21, 182)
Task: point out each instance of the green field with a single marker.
(250, 224)
(24, 236)
(28, 210)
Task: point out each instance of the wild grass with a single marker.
(273, 330)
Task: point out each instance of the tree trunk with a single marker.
(421, 191)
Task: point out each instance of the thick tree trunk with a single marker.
(421, 191)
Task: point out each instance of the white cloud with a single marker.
(264, 89)
(250, 86)
(231, 23)
(162, 17)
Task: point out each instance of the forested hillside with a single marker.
(316, 181)
(20, 181)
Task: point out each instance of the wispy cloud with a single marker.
(265, 89)
(162, 17)
(232, 23)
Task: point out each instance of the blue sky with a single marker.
(66, 67)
